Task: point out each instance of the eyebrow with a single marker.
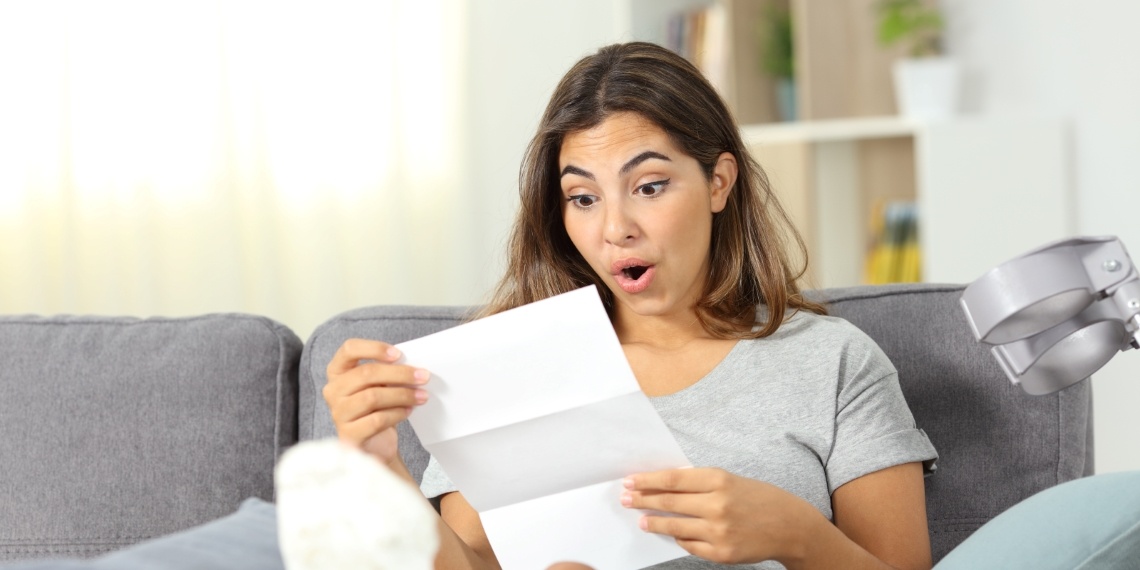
(571, 169)
(633, 162)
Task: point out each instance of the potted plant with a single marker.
(778, 59)
(926, 81)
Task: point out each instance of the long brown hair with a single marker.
(748, 259)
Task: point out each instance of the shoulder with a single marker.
(799, 326)
(808, 337)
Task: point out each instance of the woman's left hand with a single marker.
(725, 518)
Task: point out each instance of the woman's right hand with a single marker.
(367, 399)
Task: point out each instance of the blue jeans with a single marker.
(245, 540)
(1085, 524)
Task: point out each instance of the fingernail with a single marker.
(643, 523)
(421, 396)
(393, 353)
(627, 482)
(421, 376)
(626, 500)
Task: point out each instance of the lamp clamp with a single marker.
(1058, 313)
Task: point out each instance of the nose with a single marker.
(620, 226)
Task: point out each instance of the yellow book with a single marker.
(894, 255)
(892, 242)
(873, 267)
(909, 268)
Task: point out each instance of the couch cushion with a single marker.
(121, 429)
(997, 445)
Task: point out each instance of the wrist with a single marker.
(805, 534)
(396, 465)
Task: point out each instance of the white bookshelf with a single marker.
(990, 189)
(834, 130)
(987, 189)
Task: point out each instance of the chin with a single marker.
(645, 304)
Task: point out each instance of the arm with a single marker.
(880, 519)
(367, 400)
(461, 528)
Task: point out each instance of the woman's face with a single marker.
(640, 212)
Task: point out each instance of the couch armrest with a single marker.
(121, 429)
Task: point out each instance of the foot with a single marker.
(340, 508)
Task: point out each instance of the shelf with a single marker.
(834, 130)
(987, 188)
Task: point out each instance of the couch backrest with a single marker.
(997, 445)
(392, 324)
(115, 430)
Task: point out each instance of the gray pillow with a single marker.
(116, 430)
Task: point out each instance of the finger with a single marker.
(374, 374)
(353, 350)
(353, 407)
(698, 480)
(377, 373)
(676, 527)
(381, 374)
(363, 428)
(697, 548)
(689, 504)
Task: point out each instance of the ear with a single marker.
(723, 181)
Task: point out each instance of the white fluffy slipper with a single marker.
(338, 507)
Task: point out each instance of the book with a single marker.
(894, 255)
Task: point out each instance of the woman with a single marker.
(638, 182)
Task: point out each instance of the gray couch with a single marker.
(118, 429)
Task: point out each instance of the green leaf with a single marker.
(910, 22)
(777, 52)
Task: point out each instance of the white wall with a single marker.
(1078, 61)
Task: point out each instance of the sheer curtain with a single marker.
(286, 159)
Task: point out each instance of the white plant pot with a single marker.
(927, 88)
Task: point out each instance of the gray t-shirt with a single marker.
(807, 409)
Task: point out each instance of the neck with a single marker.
(665, 332)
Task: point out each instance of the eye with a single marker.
(582, 201)
(652, 189)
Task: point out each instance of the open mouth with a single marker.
(635, 272)
(634, 277)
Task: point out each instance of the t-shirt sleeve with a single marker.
(435, 482)
(874, 427)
